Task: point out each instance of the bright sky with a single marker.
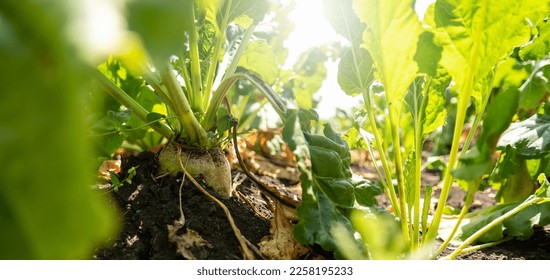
(312, 29)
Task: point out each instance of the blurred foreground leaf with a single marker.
(47, 209)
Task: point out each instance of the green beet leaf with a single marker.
(530, 138)
(536, 87)
(434, 113)
(355, 71)
(533, 211)
(329, 190)
(511, 177)
(477, 34)
(519, 225)
(539, 47)
(391, 38)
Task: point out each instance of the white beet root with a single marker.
(210, 163)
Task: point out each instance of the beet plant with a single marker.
(407, 66)
(187, 62)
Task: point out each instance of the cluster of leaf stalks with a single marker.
(184, 62)
(410, 66)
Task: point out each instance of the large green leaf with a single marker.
(477, 34)
(47, 209)
(391, 38)
(530, 138)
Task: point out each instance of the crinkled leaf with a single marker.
(500, 113)
(318, 216)
(306, 117)
(354, 139)
(366, 192)
(340, 191)
(328, 189)
(258, 58)
(355, 71)
(329, 158)
(391, 38)
(530, 138)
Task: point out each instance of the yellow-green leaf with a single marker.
(258, 58)
(391, 37)
(477, 34)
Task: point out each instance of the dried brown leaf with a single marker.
(280, 244)
(107, 167)
(191, 239)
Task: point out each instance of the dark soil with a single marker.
(151, 203)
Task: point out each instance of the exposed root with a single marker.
(182, 217)
(247, 253)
